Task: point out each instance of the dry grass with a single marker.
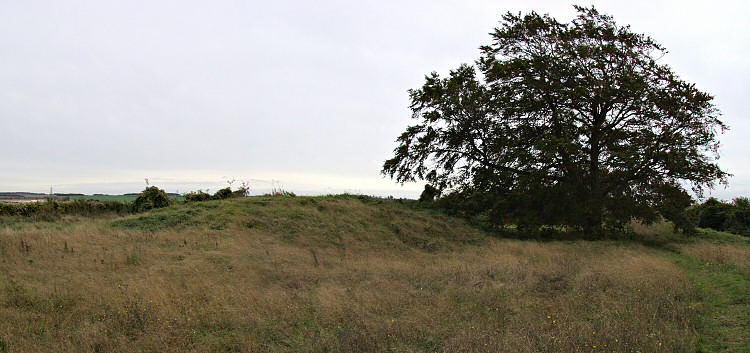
(733, 255)
(330, 275)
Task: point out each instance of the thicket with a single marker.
(197, 196)
(221, 194)
(53, 208)
(152, 197)
(733, 217)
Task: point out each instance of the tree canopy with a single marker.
(574, 124)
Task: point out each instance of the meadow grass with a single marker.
(336, 274)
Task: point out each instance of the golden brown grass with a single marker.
(330, 274)
(720, 254)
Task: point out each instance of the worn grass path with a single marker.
(724, 319)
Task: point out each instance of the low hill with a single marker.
(351, 274)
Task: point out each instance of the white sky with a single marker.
(97, 95)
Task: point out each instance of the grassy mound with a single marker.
(343, 274)
(320, 221)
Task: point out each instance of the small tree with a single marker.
(574, 124)
(151, 197)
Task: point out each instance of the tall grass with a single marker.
(721, 254)
(328, 274)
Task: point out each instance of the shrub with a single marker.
(197, 196)
(151, 197)
(224, 193)
(51, 209)
(94, 207)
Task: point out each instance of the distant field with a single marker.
(342, 274)
(21, 197)
(118, 198)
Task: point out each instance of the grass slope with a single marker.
(719, 266)
(343, 274)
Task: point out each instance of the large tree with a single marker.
(574, 124)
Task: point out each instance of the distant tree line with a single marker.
(733, 217)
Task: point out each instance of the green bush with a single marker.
(152, 197)
(224, 193)
(51, 209)
(719, 215)
(197, 196)
(94, 207)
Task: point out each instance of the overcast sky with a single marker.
(96, 96)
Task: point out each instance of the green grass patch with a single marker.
(724, 313)
(721, 237)
(169, 218)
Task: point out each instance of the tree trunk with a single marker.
(593, 225)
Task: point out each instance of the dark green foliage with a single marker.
(152, 197)
(429, 194)
(224, 193)
(52, 209)
(563, 124)
(221, 194)
(722, 216)
(197, 196)
(713, 214)
(241, 192)
(93, 207)
(738, 221)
